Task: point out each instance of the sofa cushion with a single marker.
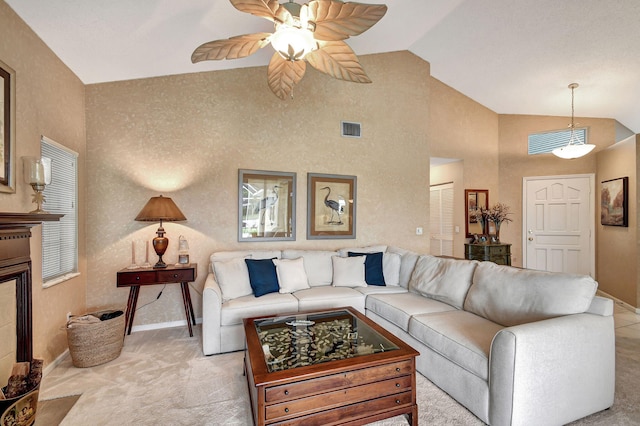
(461, 337)
(348, 271)
(408, 261)
(378, 289)
(512, 296)
(233, 278)
(262, 276)
(235, 310)
(250, 254)
(373, 274)
(446, 280)
(329, 297)
(369, 249)
(391, 268)
(398, 308)
(317, 264)
(291, 274)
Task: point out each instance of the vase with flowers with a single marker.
(498, 213)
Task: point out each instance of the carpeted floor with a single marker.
(161, 377)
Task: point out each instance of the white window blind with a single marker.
(540, 143)
(60, 239)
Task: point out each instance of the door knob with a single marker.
(530, 238)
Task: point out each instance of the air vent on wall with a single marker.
(350, 130)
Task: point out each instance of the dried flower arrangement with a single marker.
(499, 213)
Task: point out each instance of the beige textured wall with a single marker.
(186, 136)
(462, 128)
(617, 246)
(515, 163)
(50, 102)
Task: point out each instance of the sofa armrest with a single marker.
(601, 306)
(552, 371)
(211, 316)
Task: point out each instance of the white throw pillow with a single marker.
(348, 271)
(233, 278)
(391, 268)
(291, 274)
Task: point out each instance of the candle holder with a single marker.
(37, 173)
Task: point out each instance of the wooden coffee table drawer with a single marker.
(338, 398)
(365, 409)
(337, 381)
(136, 278)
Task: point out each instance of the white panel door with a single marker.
(441, 220)
(559, 224)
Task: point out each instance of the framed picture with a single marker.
(614, 202)
(331, 206)
(7, 128)
(266, 206)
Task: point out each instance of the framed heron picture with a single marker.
(331, 206)
(266, 206)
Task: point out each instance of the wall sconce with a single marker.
(37, 173)
(159, 209)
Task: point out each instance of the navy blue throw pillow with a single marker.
(373, 274)
(262, 276)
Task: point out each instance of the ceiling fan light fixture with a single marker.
(293, 43)
(575, 148)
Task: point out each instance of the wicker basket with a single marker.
(96, 343)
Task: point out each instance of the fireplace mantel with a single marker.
(15, 264)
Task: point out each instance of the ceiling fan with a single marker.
(312, 32)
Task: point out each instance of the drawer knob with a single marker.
(286, 392)
(137, 278)
(397, 401)
(175, 275)
(398, 369)
(397, 385)
(286, 410)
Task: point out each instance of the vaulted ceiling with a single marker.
(512, 56)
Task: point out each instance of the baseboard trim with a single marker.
(160, 325)
(619, 302)
(49, 368)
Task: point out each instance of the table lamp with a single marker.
(159, 209)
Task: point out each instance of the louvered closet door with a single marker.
(441, 220)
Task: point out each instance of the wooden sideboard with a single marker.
(498, 253)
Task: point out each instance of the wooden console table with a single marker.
(496, 253)
(134, 278)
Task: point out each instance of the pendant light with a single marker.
(575, 148)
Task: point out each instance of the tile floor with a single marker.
(627, 322)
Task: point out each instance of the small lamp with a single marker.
(159, 209)
(37, 173)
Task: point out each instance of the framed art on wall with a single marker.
(614, 202)
(7, 128)
(266, 206)
(331, 206)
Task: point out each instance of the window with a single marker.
(60, 239)
(541, 143)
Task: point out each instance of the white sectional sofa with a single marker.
(514, 346)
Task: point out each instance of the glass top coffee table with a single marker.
(327, 367)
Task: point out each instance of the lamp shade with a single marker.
(160, 209)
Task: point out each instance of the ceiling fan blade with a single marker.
(268, 9)
(231, 48)
(283, 75)
(335, 20)
(338, 60)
